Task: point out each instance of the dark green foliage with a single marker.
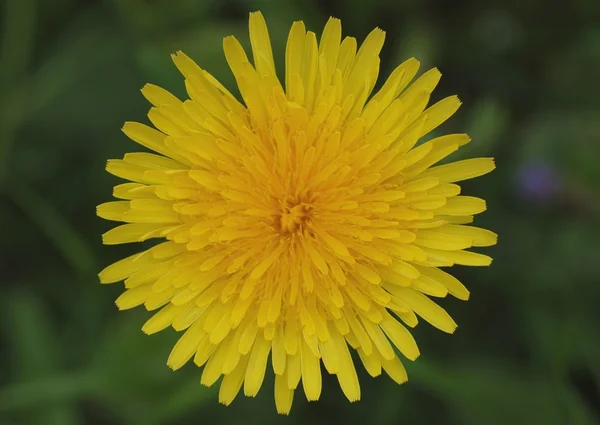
(527, 350)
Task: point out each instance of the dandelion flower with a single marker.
(300, 225)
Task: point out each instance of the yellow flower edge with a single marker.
(301, 224)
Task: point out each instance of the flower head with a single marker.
(299, 225)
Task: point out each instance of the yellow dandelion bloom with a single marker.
(301, 224)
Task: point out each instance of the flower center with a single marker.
(294, 217)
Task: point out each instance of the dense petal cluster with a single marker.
(299, 225)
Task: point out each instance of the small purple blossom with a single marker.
(538, 181)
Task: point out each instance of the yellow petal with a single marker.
(294, 370)
(133, 191)
(440, 112)
(205, 351)
(372, 363)
(480, 237)
(462, 205)
(426, 308)
(186, 346)
(136, 232)
(232, 383)
(125, 267)
(329, 46)
(429, 287)
(161, 320)
(151, 139)
(152, 161)
(400, 336)
(125, 170)
(395, 370)
(311, 60)
(368, 274)
(453, 285)
(465, 258)
(379, 340)
(439, 240)
(133, 297)
(257, 363)
(159, 96)
(284, 396)
(425, 83)
(360, 66)
(461, 170)
(278, 355)
(261, 45)
(346, 55)
(408, 317)
(311, 373)
(426, 183)
(347, 377)
(214, 367)
(294, 53)
(114, 210)
(359, 332)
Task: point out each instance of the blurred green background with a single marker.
(527, 350)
